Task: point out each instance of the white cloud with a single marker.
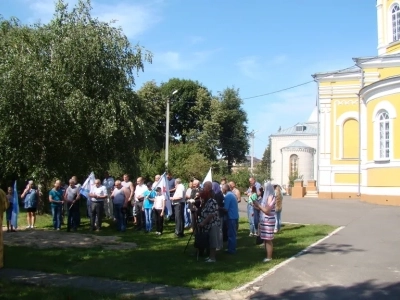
(176, 61)
(194, 40)
(250, 67)
(134, 18)
(279, 59)
(256, 68)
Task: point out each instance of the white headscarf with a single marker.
(268, 191)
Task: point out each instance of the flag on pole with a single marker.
(208, 177)
(87, 186)
(15, 210)
(163, 184)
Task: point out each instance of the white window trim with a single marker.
(340, 122)
(389, 24)
(387, 106)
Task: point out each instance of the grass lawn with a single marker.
(12, 290)
(160, 259)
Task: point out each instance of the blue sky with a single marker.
(258, 46)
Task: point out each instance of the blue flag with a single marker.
(15, 211)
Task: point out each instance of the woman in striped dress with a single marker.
(267, 219)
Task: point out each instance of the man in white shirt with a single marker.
(108, 182)
(178, 202)
(139, 197)
(97, 196)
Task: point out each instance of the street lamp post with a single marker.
(167, 131)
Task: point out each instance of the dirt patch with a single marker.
(58, 239)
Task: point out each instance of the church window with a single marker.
(384, 134)
(294, 164)
(396, 22)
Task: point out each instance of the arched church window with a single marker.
(294, 164)
(384, 134)
(396, 22)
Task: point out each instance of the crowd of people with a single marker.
(210, 208)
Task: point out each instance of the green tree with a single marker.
(183, 117)
(66, 96)
(207, 130)
(263, 170)
(151, 96)
(233, 137)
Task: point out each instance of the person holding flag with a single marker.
(10, 227)
(15, 209)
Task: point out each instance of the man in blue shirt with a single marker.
(232, 209)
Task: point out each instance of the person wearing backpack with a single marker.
(31, 197)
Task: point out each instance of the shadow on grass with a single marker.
(365, 290)
(160, 259)
(21, 291)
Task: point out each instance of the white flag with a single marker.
(163, 184)
(208, 177)
(87, 186)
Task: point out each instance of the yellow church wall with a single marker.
(350, 139)
(394, 99)
(346, 178)
(389, 72)
(339, 83)
(383, 177)
(384, 72)
(393, 47)
(340, 107)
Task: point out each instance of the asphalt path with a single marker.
(361, 261)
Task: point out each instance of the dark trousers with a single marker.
(179, 218)
(73, 216)
(159, 220)
(97, 209)
(120, 217)
(140, 219)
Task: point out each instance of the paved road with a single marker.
(362, 261)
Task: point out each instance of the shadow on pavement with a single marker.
(364, 290)
(331, 247)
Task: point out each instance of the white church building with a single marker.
(294, 151)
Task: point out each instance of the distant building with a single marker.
(246, 164)
(293, 151)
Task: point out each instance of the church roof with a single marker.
(297, 144)
(307, 128)
(314, 116)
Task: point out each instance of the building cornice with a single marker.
(378, 62)
(390, 85)
(341, 75)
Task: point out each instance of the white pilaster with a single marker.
(381, 28)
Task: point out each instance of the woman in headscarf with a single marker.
(267, 219)
(219, 197)
(210, 221)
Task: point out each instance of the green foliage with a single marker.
(186, 162)
(293, 177)
(66, 96)
(241, 178)
(263, 170)
(183, 117)
(233, 135)
(150, 164)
